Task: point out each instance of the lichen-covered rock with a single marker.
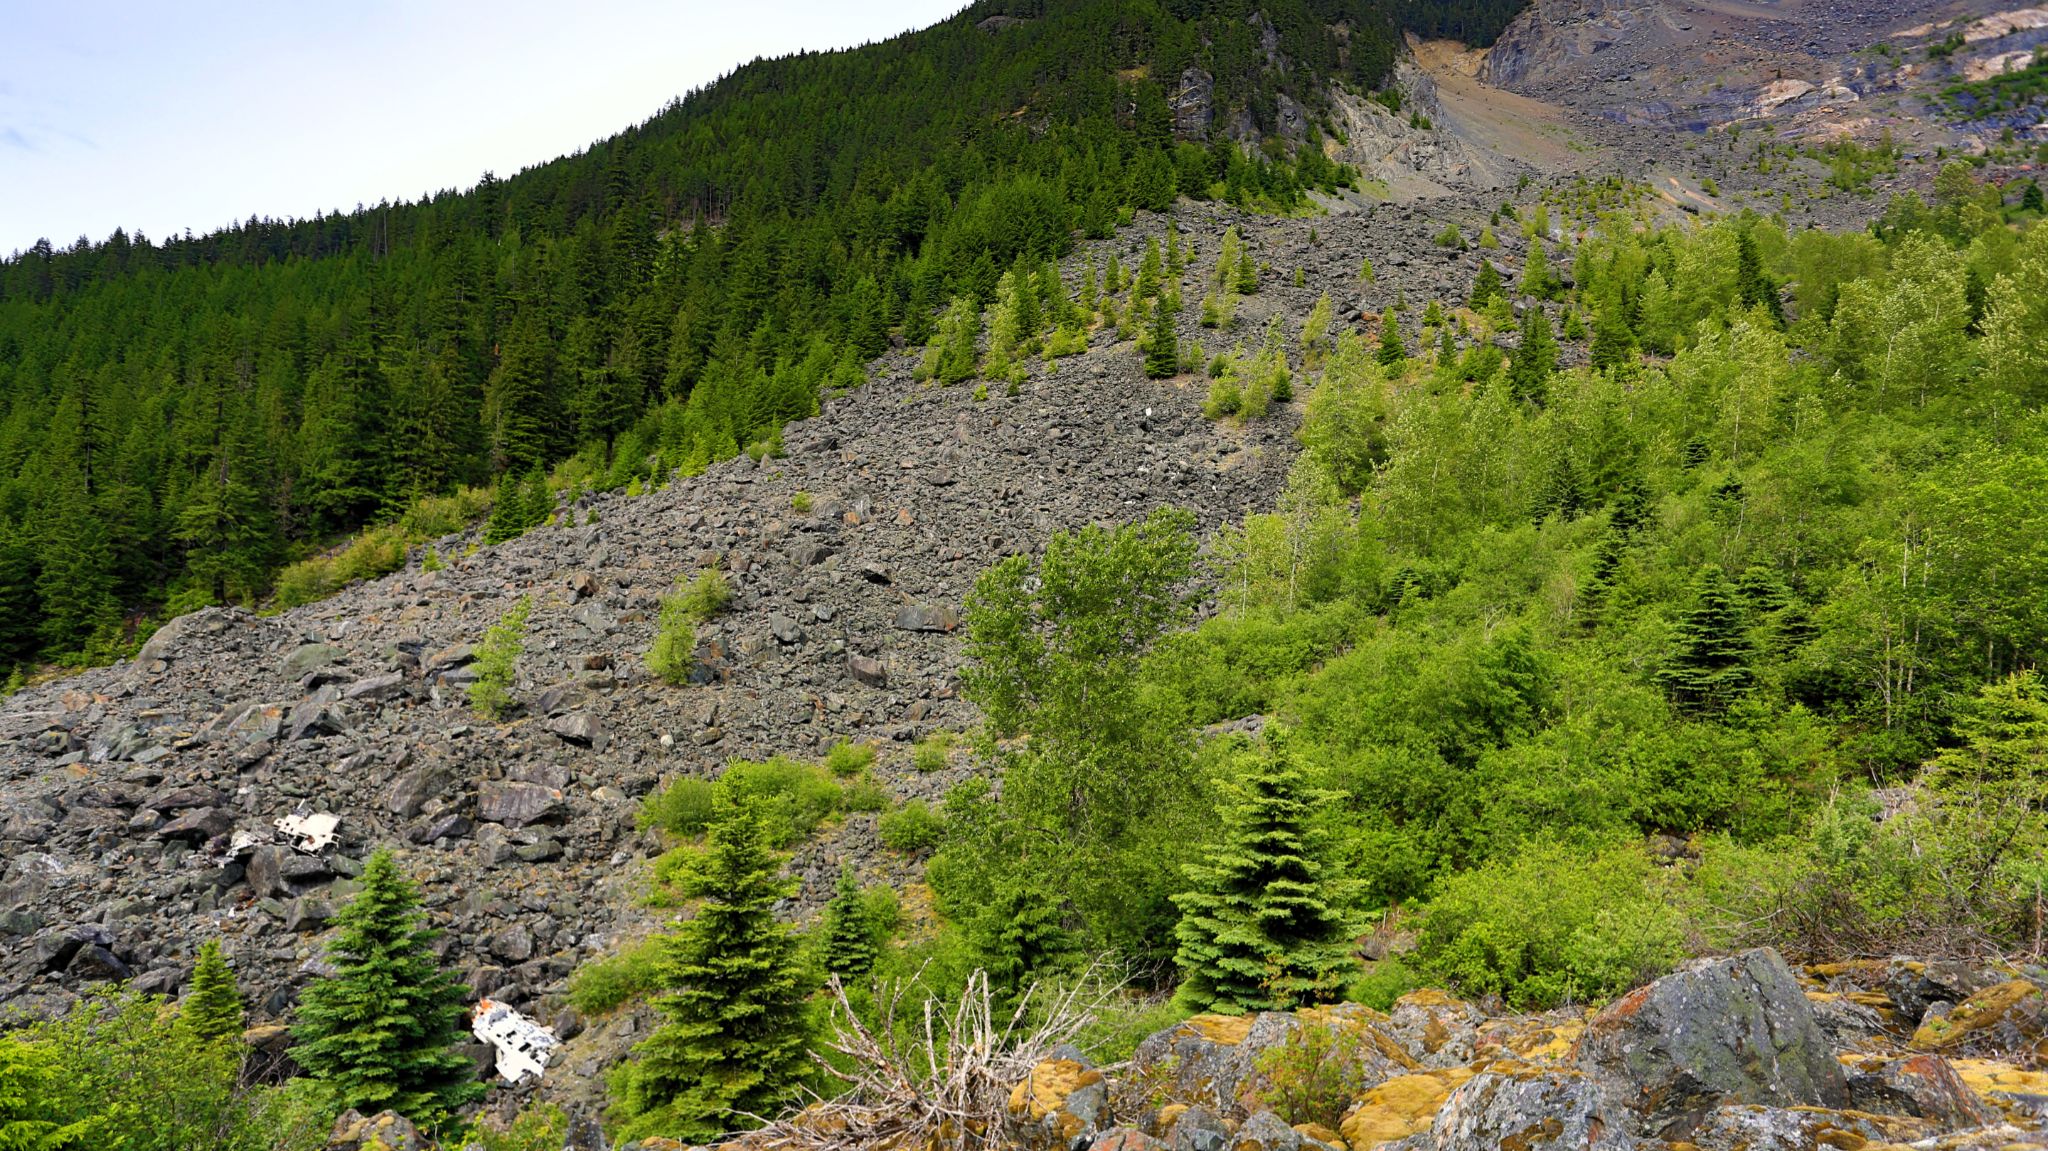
(1435, 1029)
(1527, 1108)
(1732, 1030)
(1216, 1060)
(1060, 1106)
(2017, 1093)
(384, 1131)
(1124, 1139)
(2008, 1019)
(1747, 1127)
(1919, 1085)
(1265, 1131)
(1402, 1106)
(1195, 1129)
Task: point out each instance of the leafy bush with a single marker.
(115, 1072)
(496, 659)
(800, 503)
(684, 807)
(849, 758)
(601, 985)
(930, 752)
(912, 827)
(675, 642)
(706, 595)
(864, 794)
(792, 798)
(538, 1127)
(1315, 1074)
(1552, 924)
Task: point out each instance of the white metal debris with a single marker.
(524, 1047)
(310, 832)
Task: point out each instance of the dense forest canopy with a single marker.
(178, 418)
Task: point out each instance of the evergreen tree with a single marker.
(1536, 358)
(1162, 358)
(508, 511)
(20, 607)
(1486, 287)
(1614, 343)
(1019, 937)
(536, 500)
(1393, 354)
(1711, 654)
(212, 1011)
(734, 1031)
(1263, 928)
(849, 942)
(76, 585)
(385, 1031)
(1247, 274)
(1752, 286)
(1537, 280)
(2031, 199)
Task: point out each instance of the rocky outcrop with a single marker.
(1718, 1031)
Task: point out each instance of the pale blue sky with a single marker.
(166, 116)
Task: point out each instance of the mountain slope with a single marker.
(179, 419)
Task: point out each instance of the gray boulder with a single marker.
(1730, 1030)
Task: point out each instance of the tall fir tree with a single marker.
(385, 1030)
(1535, 359)
(20, 606)
(733, 1035)
(1393, 354)
(1752, 286)
(849, 938)
(1486, 287)
(508, 511)
(1710, 666)
(212, 1011)
(1264, 927)
(1162, 357)
(1019, 937)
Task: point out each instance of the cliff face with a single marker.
(1812, 69)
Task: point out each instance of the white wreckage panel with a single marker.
(310, 832)
(524, 1047)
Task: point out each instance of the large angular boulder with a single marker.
(514, 803)
(1731, 1030)
(1527, 1108)
(1925, 1086)
(1062, 1105)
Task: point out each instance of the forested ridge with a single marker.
(183, 417)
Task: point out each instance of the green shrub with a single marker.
(930, 752)
(792, 798)
(706, 595)
(601, 985)
(675, 641)
(800, 503)
(1552, 924)
(864, 794)
(538, 1127)
(911, 828)
(496, 658)
(682, 808)
(1314, 1074)
(849, 758)
(1382, 983)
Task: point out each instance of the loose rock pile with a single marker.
(1734, 1054)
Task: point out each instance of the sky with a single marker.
(166, 116)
